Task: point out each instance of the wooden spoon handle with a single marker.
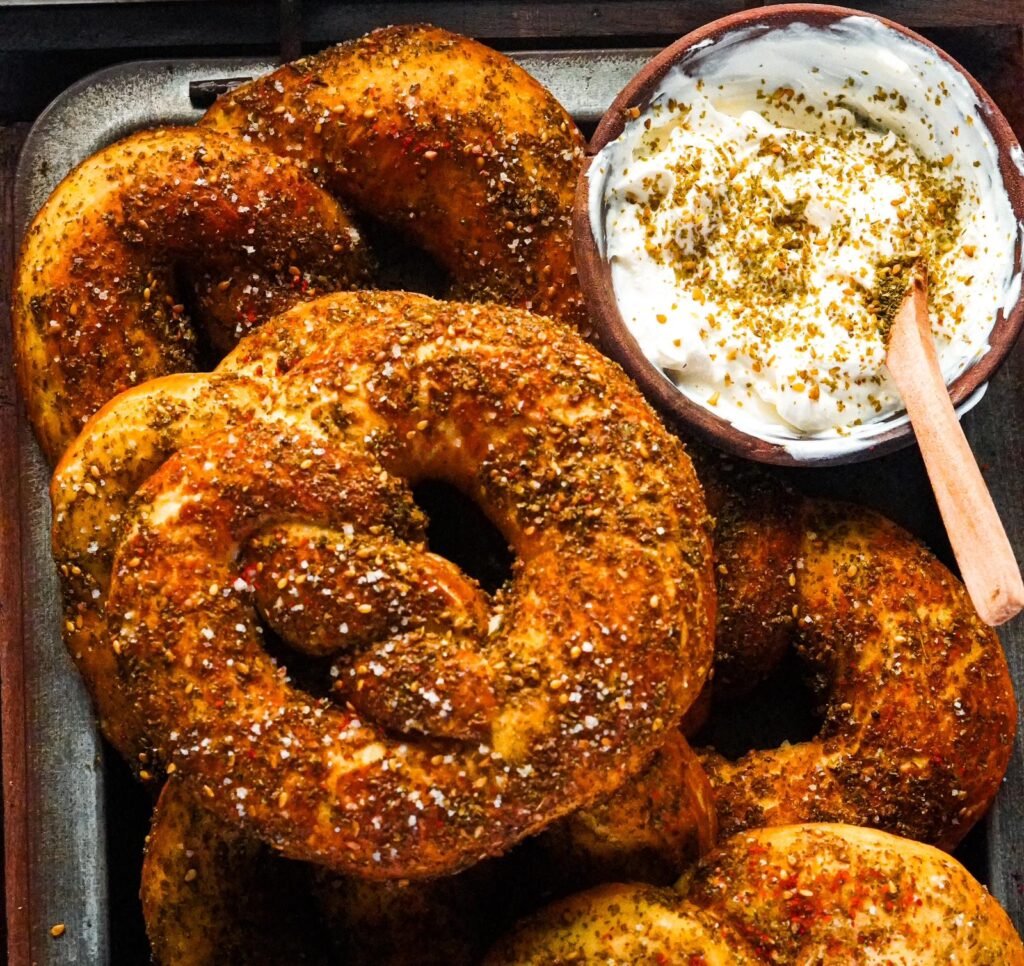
(987, 564)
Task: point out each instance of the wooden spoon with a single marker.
(982, 549)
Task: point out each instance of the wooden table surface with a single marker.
(11, 139)
(995, 54)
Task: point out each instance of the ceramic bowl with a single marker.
(691, 417)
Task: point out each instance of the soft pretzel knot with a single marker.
(461, 724)
(789, 895)
(917, 705)
(182, 238)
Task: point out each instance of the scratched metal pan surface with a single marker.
(69, 828)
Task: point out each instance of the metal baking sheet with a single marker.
(69, 829)
(68, 824)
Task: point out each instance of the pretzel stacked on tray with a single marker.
(454, 739)
(917, 709)
(229, 222)
(788, 894)
(250, 596)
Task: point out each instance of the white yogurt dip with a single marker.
(760, 215)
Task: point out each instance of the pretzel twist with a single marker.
(517, 413)
(786, 895)
(451, 143)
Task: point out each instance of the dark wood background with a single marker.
(44, 47)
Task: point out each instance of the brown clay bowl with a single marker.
(595, 272)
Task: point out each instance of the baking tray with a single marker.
(72, 830)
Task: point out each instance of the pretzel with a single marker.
(451, 143)
(794, 894)
(917, 705)
(564, 456)
(96, 307)
(900, 776)
(209, 892)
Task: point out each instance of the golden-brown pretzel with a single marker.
(96, 306)
(917, 703)
(131, 437)
(447, 140)
(786, 895)
(210, 892)
(901, 778)
(567, 460)
(450, 142)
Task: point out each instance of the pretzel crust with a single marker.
(598, 647)
(785, 895)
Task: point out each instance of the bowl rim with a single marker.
(619, 342)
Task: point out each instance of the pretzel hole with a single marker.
(458, 530)
(306, 672)
(401, 266)
(781, 708)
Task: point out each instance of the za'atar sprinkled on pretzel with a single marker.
(588, 665)
(790, 895)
